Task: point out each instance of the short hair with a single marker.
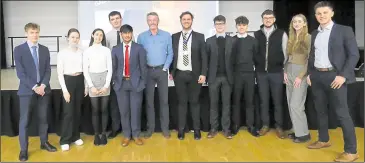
(31, 26)
(219, 18)
(113, 13)
(323, 4)
(152, 14)
(71, 31)
(186, 13)
(126, 28)
(242, 20)
(267, 12)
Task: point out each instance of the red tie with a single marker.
(126, 61)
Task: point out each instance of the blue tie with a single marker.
(35, 58)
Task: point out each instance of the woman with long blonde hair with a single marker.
(295, 73)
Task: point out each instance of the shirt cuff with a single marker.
(44, 85)
(34, 87)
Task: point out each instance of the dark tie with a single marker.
(118, 38)
(126, 61)
(185, 48)
(35, 59)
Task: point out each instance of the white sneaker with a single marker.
(65, 147)
(79, 142)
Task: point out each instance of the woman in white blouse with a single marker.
(69, 70)
(97, 67)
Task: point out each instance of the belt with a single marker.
(155, 67)
(325, 69)
(126, 78)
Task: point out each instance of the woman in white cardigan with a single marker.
(97, 66)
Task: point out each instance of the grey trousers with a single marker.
(296, 98)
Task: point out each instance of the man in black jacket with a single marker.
(243, 53)
(269, 65)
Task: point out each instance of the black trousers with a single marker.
(114, 111)
(271, 85)
(323, 95)
(71, 111)
(99, 107)
(220, 88)
(188, 88)
(244, 85)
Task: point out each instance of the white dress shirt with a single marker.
(129, 52)
(321, 59)
(68, 62)
(97, 59)
(180, 61)
(241, 35)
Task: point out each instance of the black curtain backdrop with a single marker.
(286, 9)
(3, 51)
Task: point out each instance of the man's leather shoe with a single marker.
(302, 139)
(125, 142)
(147, 134)
(167, 134)
(291, 136)
(319, 145)
(263, 131)
(253, 131)
(112, 135)
(96, 140)
(280, 133)
(23, 156)
(227, 134)
(347, 157)
(181, 135)
(212, 134)
(47, 146)
(235, 129)
(138, 141)
(103, 140)
(197, 135)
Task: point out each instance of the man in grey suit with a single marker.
(129, 78)
(220, 76)
(34, 72)
(332, 60)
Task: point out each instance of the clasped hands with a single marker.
(40, 90)
(101, 91)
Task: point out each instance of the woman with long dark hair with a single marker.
(98, 73)
(69, 70)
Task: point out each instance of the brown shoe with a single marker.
(319, 145)
(212, 134)
(263, 131)
(125, 142)
(347, 157)
(280, 133)
(138, 141)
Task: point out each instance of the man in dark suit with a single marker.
(332, 60)
(189, 70)
(34, 72)
(129, 77)
(220, 76)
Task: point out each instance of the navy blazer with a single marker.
(26, 70)
(137, 66)
(343, 52)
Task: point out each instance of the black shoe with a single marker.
(197, 135)
(227, 134)
(103, 140)
(291, 136)
(23, 156)
(235, 129)
(96, 140)
(302, 139)
(181, 135)
(166, 134)
(147, 134)
(112, 135)
(212, 133)
(253, 131)
(48, 147)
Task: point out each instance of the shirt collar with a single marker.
(188, 32)
(158, 32)
(129, 44)
(241, 36)
(220, 34)
(328, 27)
(30, 44)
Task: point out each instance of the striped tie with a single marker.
(185, 48)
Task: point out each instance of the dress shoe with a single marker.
(346, 157)
(166, 134)
(147, 134)
(319, 145)
(197, 135)
(302, 139)
(103, 139)
(138, 141)
(235, 129)
(253, 131)
(291, 136)
(280, 133)
(125, 142)
(181, 135)
(23, 156)
(212, 134)
(112, 135)
(96, 140)
(263, 131)
(227, 134)
(47, 146)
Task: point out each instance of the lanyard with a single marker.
(186, 41)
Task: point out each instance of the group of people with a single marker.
(115, 71)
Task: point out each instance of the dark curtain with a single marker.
(3, 50)
(285, 10)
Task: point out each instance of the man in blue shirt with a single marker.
(158, 45)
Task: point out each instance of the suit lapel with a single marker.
(28, 55)
(194, 43)
(133, 55)
(331, 40)
(176, 47)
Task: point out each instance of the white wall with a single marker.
(359, 23)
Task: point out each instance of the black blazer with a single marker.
(198, 54)
(342, 50)
(212, 52)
